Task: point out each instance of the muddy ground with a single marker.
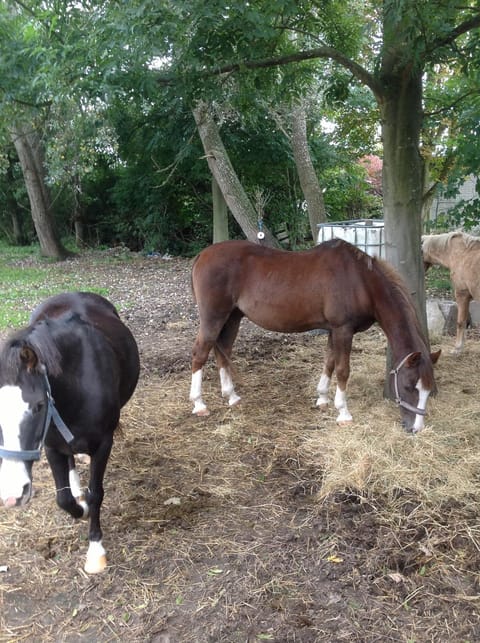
(224, 529)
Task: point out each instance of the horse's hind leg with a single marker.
(200, 351)
(326, 376)
(223, 352)
(463, 300)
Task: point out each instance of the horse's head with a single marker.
(23, 424)
(413, 381)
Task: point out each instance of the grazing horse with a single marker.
(63, 381)
(334, 286)
(460, 253)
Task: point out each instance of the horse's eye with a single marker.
(37, 408)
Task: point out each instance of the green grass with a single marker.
(25, 279)
(437, 282)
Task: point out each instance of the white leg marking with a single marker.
(227, 387)
(77, 491)
(13, 473)
(423, 394)
(199, 406)
(322, 390)
(96, 560)
(458, 348)
(341, 406)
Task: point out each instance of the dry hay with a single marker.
(266, 521)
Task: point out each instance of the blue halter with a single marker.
(52, 415)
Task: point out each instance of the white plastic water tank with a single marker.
(366, 234)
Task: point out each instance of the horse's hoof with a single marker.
(322, 407)
(344, 422)
(235, 402)
(96, 566)
(201, 412)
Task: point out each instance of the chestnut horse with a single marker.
(63, 381)
(334, 286)
(460, 253)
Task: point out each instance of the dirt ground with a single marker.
(233, 528)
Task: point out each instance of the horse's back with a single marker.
(225, 268)
(460, 253)
(85, 304)
(98, 313)
(283, 290)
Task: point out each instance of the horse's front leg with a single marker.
(463, 300)
(342, 346)
(67, 483)
(326, 376)
(96, 560)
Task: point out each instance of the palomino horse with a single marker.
(63, 381)
(334, 286)
(460, 253)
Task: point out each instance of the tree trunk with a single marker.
(306, 172)
(30, 154)
(403, 185)
(221, 168)
(19, 238)
(401, 113)
(220, 214)
(78, 215)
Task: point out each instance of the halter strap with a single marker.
(398, 399)
(52, 415)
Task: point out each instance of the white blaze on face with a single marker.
(423, 394)
(13, 473)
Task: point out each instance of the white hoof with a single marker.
(96, 566)
(200, 408)
(96, 561)
(344, 418)
(234, 399)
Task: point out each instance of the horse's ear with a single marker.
(413, 359)
(29, 358)
(434, 356)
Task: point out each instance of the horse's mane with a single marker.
(395, 281)
(39, 339)
(442, 241)
(398, 285)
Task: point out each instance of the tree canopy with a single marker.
(110, 87)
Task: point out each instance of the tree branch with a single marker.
(359, 72)
(459, 30)
(448, 108)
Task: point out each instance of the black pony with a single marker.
(63, 381)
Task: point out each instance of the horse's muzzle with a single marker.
(23, 500)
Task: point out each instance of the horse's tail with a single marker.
(191, 279)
